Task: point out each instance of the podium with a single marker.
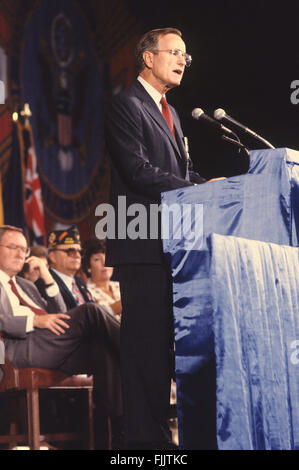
(261, 207)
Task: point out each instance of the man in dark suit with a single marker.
(39, 332)
(64, 256)
(147, 148)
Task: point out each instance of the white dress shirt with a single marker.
(17, 308)
(68, 280)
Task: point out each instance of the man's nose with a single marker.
(181, 60)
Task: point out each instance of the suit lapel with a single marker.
(65, 292)
(158, 117)
(30, 292)
(180, 137)
(4, 301)
(156, 114)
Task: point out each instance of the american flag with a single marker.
(34, 210)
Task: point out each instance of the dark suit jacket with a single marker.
(146, 160)
(67, 295)
(14, 328)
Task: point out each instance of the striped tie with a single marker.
(77, 294)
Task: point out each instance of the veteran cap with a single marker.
(70, 236)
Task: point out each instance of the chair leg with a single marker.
(90, 420)
(12, 433)
(33, 419)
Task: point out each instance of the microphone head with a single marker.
(197, 113)
(219, 114)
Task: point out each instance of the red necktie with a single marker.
(37, 311)
(167, 114)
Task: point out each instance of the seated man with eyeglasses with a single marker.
(40, 332)
(64, 257)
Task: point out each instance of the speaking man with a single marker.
(146, 144)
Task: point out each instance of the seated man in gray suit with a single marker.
(39, 332)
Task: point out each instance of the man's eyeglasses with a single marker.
(177, 52)
(23, 249)
(70, 251)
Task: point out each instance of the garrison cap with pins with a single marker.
(70, 236)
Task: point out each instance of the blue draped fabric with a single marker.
(261, 205)
(255, 288)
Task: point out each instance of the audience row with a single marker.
(59, 309)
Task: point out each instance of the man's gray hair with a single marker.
(149, 42)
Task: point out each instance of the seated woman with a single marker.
(104, 291)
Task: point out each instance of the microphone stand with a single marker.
(270, 146)
(237, 143)
(248, 131)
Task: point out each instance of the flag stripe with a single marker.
(34, 211)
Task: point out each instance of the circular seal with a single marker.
(62, 40)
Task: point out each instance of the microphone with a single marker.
(221, 114)
(198, 113)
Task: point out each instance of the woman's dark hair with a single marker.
(90, 247)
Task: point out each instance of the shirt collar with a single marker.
(151, 91)
(65, 277)
(5, 278)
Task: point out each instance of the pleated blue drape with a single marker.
(255, 289)
(261, 205)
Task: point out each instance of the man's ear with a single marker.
(51, 258)
(148, 59)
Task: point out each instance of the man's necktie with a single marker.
(37, 311)
(77, 294)
(167, 114)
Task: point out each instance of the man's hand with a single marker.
(39, 266)
(53, 322)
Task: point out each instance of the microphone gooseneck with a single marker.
(220, 114)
